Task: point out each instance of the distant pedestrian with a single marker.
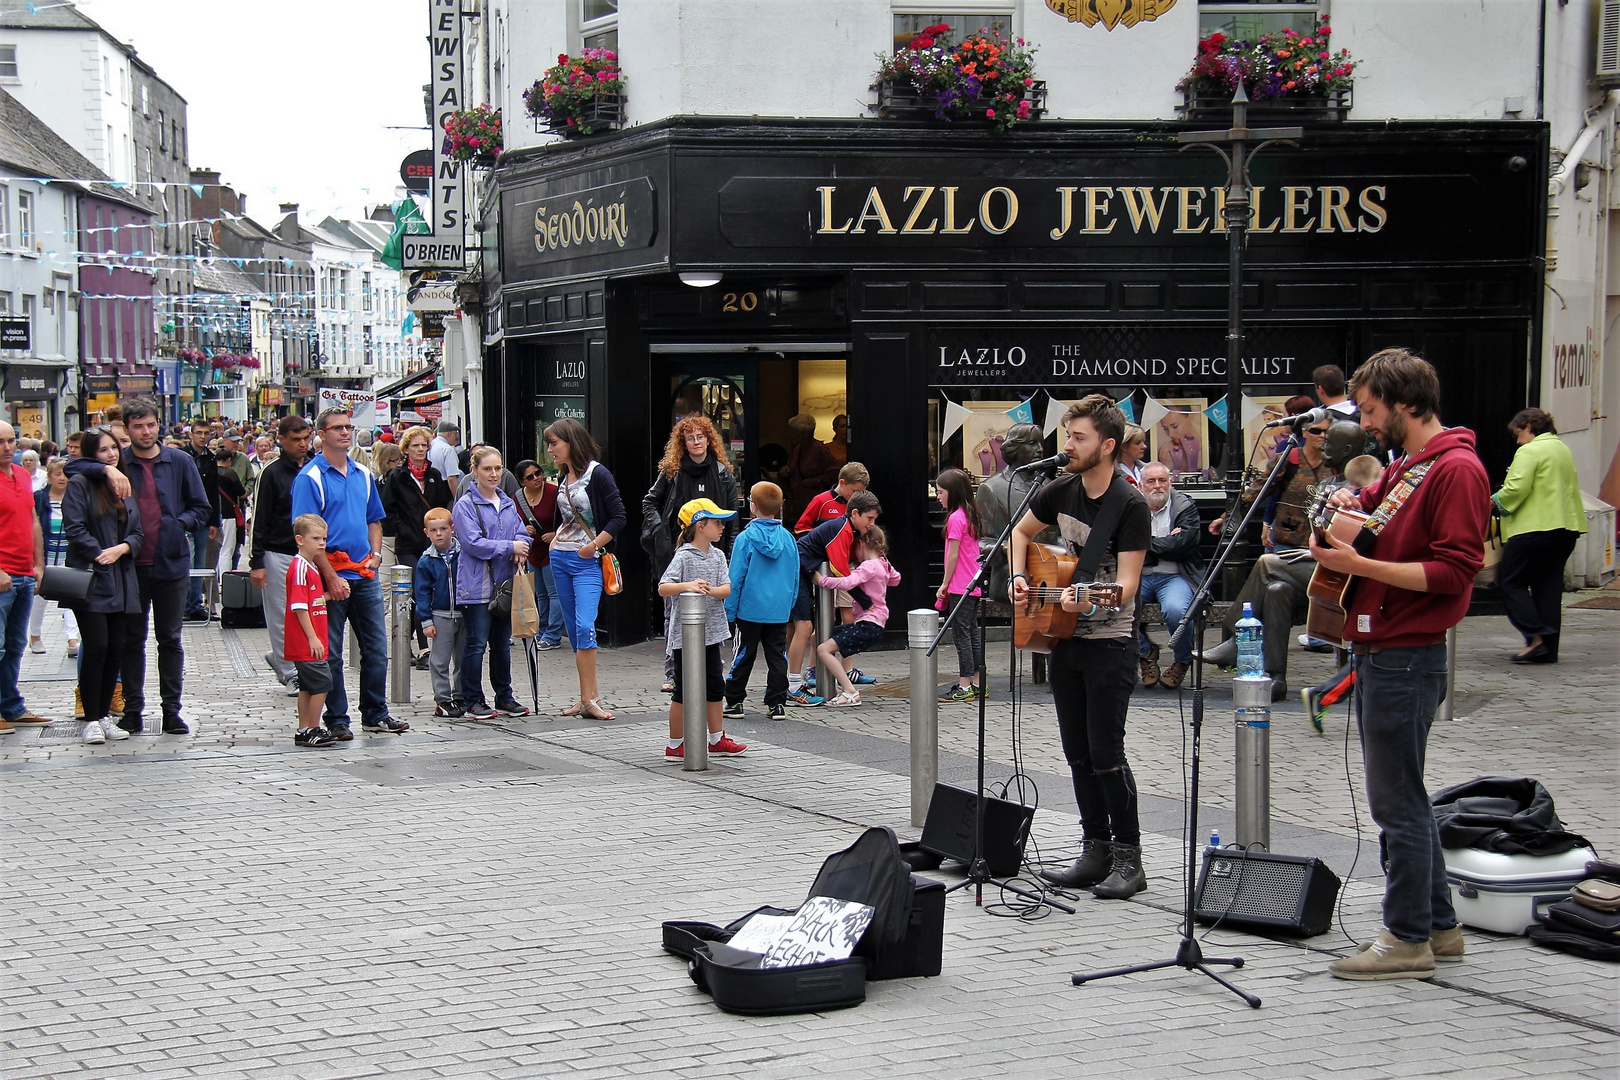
(200, 538)
(103, 534)
(48, 506)
(493, 544)
(764, 575)
(810, 469)
(433, 588)
(442, 453)
(699, 566)
(1542, 520)
(408, 493)
(962, 528)
(339, 489)
(306, 632)
(273, 546)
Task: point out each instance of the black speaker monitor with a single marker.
(1281, 893)
(948, 829)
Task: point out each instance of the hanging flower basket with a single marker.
(578, 95)
(1284, 74)
(984, 78)
(474, 135)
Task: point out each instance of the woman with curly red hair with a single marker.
(694, 466)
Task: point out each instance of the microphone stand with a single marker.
(1189, 954)
(978, 866)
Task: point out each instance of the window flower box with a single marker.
(1284, 74)
(985, 78)
(578, 95)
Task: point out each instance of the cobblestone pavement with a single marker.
(484, 899)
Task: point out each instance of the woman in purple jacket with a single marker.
(493, 542)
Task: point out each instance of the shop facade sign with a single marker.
(445, 247)
(15, 334)
(607, 220)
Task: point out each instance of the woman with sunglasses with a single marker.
(539, 505)
(590, 515)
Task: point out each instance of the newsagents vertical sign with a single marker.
(443, 249)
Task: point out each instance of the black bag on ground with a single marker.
(241, 603)
(905, 938)
(1578, 944)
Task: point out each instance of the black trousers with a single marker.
(755, 638)
(1091, 687)
(101, 638)
(165, 603)
(1531, 575)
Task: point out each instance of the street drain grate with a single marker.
(1606, 603)
(451, 768)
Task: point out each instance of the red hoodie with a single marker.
(1441, 526)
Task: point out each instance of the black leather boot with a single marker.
(1095, 861)
(1127, 878)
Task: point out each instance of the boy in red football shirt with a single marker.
(832, 504)
(306, 631)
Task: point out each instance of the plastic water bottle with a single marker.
(1250, 647)
(1214, 840)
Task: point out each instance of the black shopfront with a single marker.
(908, 275)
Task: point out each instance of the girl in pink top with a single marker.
(962, 526)
(873, 577)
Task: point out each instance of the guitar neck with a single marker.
(1083, 594)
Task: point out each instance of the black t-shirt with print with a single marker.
(1064, 503)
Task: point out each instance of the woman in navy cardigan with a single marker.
(590, 516)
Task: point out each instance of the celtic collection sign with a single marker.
(1111, 13)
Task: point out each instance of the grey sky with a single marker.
(290, 101)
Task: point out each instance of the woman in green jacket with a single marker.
(1542, 517)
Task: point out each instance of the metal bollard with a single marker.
(1445, 711)
(826, 683)
(921, 626)
(1251, 704)
(400, 651)
(692, 610)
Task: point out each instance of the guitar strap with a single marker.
(1393, 500)
(1102, 531)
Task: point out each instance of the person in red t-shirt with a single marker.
(306, 630)
(832, 504)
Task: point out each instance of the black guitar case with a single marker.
(905, 938)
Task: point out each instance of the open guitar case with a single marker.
(904, 940)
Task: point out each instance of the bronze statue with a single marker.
(1000, 495)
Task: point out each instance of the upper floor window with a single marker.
(599, 24)
(5, 216)
(8, 62)
(146, 101)
(963, 18)
(25, 220)
(1247, 20)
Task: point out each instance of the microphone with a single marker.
(1058, 460)
(1303, 420)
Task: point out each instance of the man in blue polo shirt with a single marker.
(342, 492)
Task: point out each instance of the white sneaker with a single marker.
(93, 735)
(113, 731)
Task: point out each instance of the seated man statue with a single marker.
(1170, 573)
(999, 496)
(1276, 586)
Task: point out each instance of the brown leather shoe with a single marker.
(5, 728)
(1171, 679)
(1149, 666)
(32, 719)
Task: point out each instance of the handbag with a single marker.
(1493, 553)
(612, 576)
(66, 584)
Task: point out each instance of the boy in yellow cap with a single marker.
(700, 566)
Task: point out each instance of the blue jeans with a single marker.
(199, 559)
(579, 589)
(363, 610)
(1397, 692)
(481, 629)
(1174, 594)
(552, 626)
(15, 605)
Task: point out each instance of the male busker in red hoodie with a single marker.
(1415, 562)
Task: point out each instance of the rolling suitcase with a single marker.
(241, 603)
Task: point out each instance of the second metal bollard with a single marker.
(826, 684)
(400, 652)
(921, 626)
(1251, 703)
(692, 611)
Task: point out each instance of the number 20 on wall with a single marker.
(731, 302)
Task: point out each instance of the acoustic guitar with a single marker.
(1329, 590)
(1041, 622)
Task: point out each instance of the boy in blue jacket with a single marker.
(433, 586)
(764, 584)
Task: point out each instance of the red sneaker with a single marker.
(728, 747)
(675, 753)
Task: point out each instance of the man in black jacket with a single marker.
(273, 546)
(201, 538)
(1170, 572)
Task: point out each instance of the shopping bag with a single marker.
(525, 612)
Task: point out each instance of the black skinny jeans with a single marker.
(101, 639)
(165, 601)
(1091, 687)
(1531, 575)
(965, 634)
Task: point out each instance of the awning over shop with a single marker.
(414, 382)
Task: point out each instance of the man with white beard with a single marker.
(1170, 572)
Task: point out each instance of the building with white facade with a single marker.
(909, 272)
